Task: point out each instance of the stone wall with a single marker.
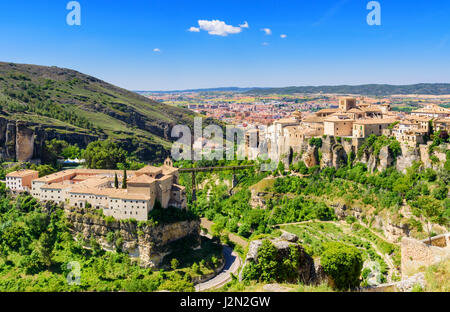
(416, 254)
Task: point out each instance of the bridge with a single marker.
(193, 171)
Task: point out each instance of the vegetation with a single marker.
(343, 263)
(370, 89)
(104, 155)
(36, 248)
(59, 98)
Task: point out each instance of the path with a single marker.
(232, 264)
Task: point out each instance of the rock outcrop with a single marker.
(306, 269)
(24, 141)
(149, 243)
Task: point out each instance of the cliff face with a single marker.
(336, 152)
(24, 141)
(147, 243)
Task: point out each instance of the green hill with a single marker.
(70, 104)
(368, 89)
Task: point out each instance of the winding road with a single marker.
(232, 264)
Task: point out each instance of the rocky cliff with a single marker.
(24, 141)
(337, 152)
(148, 243)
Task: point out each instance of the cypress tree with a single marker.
(116, 181)
(124, 182)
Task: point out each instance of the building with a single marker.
(365, 128)
(338, 125)
(432, 111)
(20, 181)
(442, 124)
(96, 188)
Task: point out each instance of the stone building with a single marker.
(19, 181)
(95, 188)
(365, 128)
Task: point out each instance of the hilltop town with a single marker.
(353, 121)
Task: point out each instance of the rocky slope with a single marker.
(149, 244)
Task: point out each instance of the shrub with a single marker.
(343, 263)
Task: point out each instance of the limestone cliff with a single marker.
(337, 152)
(24, 141)
(148, 243)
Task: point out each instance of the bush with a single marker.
(343, 263)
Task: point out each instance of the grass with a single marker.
(438, 277)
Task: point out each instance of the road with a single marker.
(232, 264)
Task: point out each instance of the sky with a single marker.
(183, 44)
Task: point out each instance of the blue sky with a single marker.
(327, 41)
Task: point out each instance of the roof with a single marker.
(355, 110)
(69, 173)
(328, 110)
(150, 169)
(22, 173)
(142, 179)
(167, 170)
(313, 119)
(124, 194)
(57, 186)
(432, 109)
(371, 109)
(374, 121)
(286, 121)
(336, 118)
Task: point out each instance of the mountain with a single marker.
(224, 89)
(39, 103)
(368, 89)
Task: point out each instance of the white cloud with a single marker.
(194, 29)
(245, 25)
(156, 50)
(267, 31)
(283, 36)
(218, 28)
(265, 43)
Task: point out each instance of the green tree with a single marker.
(431, 211)
(174, 263)
(104, 155)
(124, 181)
(343, 263)
(267, 261)
(116, 181)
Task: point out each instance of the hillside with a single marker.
(69, 105)
(368, 89)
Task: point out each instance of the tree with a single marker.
(267, 261)
(116, 181)
(174, 263)
(124, 181)
(343, 263)
(431, 211)
(104, 155)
